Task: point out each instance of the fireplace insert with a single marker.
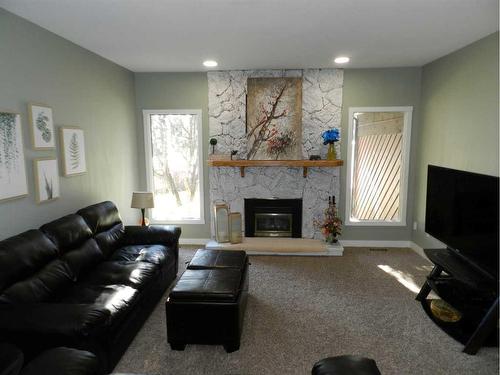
(273, 218)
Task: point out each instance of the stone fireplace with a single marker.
(321, 110)
(273, 218)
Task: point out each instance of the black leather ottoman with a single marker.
(220, 259)
(346, 365)
(207, 305)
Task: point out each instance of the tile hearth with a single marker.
(280, 246)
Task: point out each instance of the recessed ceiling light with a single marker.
(210, 63)
(341, 60)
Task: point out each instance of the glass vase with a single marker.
(331, 155)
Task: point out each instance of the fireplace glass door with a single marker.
(273, 225)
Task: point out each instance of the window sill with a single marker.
(375, 223)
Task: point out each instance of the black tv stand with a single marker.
(470, 290)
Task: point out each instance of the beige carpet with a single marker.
(302, 309)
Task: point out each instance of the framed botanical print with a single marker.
(42, 127)
(73, 150)
(46, 179)
(12, 167)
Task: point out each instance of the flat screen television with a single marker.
(462, 212)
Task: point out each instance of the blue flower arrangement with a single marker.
(330, 136)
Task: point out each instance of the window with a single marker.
(377, 165)
(174, 165)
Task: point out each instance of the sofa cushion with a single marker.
(156, 254)
(105, 222)
(23, 255)
(68, 232)
(83, 258)
(45, 285)
(134, 274)
(110, 239)
(101, 216)
(63, 361)
(117, 299)
(71, 320)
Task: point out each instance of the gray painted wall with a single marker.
(84, 90)
(362, 87)
(175, 91)
(455, 120)
(459, 121)
(380, 88)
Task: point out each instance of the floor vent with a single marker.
(378, 249)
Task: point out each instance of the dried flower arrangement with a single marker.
(331, 225)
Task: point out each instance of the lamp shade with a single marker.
(142, 199)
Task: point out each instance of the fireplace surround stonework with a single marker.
(321, 110)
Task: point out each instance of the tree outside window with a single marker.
(173, 147)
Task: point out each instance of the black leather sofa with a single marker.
(55, 361)
(84, 281)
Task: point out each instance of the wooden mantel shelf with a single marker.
(242, 164)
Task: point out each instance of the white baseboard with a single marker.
(194, 241)
(367, 243)
(345, 243)
(375, 243)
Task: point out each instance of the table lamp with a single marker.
(142, 200)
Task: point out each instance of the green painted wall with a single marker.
(84, 90)
(362, 87)
(459, 122)
(455, 120)
(380, 88)
(175, 91)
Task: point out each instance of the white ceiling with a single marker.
(177, 35)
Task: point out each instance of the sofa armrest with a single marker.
(151, 235)
(56, 319)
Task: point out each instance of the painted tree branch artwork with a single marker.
(42, 127)
(12, 168)
(274, 118)
(73, 151)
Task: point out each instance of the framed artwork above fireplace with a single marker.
(274, 118)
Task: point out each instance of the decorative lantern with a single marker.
(235, 227)
(221, 214)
